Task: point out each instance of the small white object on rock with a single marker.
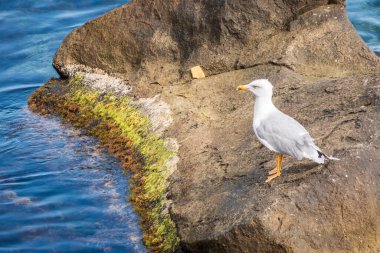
(197, 72)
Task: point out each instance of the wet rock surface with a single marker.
(323, 75)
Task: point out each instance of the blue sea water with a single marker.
(60, 191)
(365, 16)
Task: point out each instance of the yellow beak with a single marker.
(242, 88)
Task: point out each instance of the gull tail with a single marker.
(314, 153)
(322, 157)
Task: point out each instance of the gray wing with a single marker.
(284, 134)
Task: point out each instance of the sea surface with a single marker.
(365, 16)
(60, 191)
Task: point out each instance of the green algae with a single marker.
(120, 125)
(135, 126)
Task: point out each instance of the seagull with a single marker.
(279, 132)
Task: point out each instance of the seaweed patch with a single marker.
(125, 131)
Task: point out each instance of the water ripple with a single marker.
(59, 191)
(365, 16)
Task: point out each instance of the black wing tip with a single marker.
(320, 154)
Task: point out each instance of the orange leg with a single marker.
(276, 172)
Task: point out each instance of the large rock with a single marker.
(160, 40)
(324, 75)
(221, 203)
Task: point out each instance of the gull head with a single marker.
(261, 88)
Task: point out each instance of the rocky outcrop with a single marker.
(221, 203)
(160, 40)
(324, 76)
